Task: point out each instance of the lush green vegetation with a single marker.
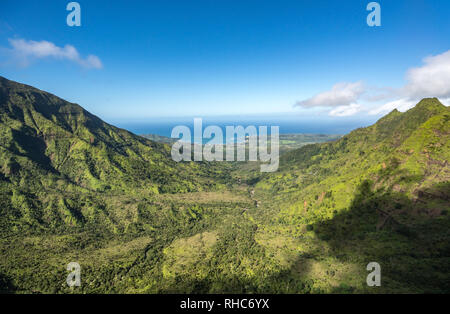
(380, 194)
(290, 142)
(75, 189)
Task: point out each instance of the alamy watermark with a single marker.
(74, 17)
(374, 278)
(74, 277)
(213, 150)
(374, 17)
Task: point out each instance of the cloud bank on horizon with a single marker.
(348, 98)
(341, 94)
(25, 52)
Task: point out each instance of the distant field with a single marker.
(290, 142)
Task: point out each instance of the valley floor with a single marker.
(227, 241)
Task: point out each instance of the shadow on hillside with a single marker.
(6, 285)
(34, 148)
(409, 238)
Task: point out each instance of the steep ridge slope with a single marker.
(405, 151)
(380, 193)
(50, 147)
(42, 131)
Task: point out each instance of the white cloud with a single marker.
(445, 101)
(341, 94)
(400, 104)
(430, 80)
(25, 50)
(345, 111)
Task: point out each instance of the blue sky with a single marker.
(312, 58)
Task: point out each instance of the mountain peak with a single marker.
(426, 108)
(430, 103)
(430, 100)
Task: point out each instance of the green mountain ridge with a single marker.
(50, 147)
(74, 188)
(48, 133)
(380, 193)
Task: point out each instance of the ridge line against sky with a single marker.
(315, 59)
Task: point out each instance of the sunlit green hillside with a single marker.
(380, 194)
